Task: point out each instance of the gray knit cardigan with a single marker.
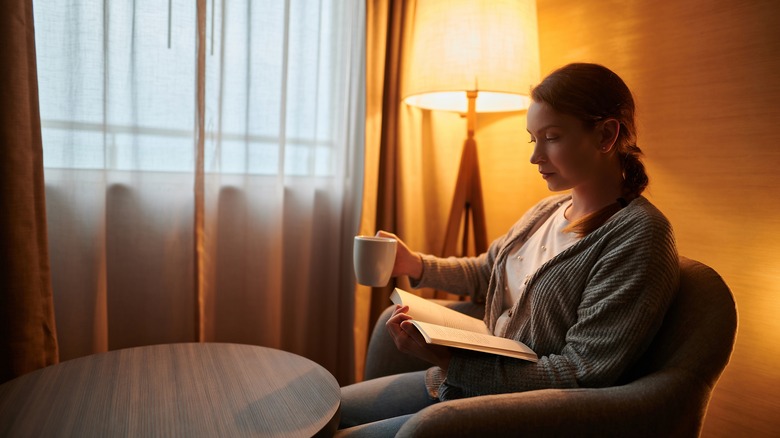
(589, 313)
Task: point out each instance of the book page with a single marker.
(421, 309)
(436, 334)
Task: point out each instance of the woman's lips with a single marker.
(546, 175)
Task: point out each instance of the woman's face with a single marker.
(567, 154)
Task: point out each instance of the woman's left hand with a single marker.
(409, 340)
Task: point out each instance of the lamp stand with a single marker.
(467, 200)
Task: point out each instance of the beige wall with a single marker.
(706, 76)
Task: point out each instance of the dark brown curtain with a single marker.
(28, 339)
(385, 27)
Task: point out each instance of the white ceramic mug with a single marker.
(374, 258)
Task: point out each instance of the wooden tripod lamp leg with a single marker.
(467, 200)
(458, 208)
(478, 209)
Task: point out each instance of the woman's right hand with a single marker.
(407, 262)
(409, 340)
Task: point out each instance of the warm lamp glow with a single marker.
(489, 46)
(487, 101)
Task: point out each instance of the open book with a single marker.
(443, 326)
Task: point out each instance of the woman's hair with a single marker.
(591, 93)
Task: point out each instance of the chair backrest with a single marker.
(699, 329)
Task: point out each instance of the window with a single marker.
(118, 85)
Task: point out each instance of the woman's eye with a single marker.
(546, 139)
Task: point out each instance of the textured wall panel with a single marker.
(705, 76)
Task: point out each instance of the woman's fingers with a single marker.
(402, 331)
(407, 262)
(405, 340)
(383, 233)
(399, 314)
(409, 340)
(393, 324)
(413, 334)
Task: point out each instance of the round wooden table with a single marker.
(190, 390)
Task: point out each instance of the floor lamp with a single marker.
(469, 57)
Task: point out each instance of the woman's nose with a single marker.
(537, 156)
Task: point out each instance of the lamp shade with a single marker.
(489, 46)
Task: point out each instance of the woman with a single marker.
(583, 278)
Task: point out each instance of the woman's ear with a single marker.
(610, 128)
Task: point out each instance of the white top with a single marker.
(524, 259)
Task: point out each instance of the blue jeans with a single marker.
(379, 407)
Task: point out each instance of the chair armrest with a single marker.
(384, 359)
(651, 406)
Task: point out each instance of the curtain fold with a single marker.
(200, 160)
(28, 338)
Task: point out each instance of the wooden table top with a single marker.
(192, 390)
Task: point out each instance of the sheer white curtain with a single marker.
(244, 235)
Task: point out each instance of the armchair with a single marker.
(666, 395)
